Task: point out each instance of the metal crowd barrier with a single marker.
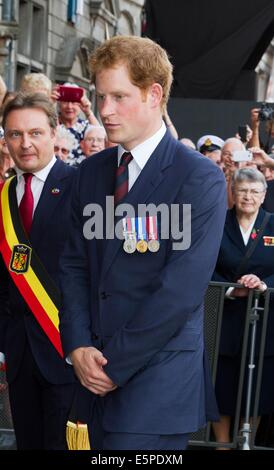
(214, 301)
(7, 436)
(241, 438)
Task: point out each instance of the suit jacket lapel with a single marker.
(257, 224)
(233, 230)
(105, 187)
(48, 201)
(147, 182)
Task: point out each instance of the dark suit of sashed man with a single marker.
(145, 310)
(35, 371)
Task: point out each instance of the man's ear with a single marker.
(53, 133)
(263, 197)
(155, 94)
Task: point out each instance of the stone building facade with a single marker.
(56, 36)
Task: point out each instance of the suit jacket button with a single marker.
(103, 295)
(93, 336)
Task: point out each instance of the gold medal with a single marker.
(129, 245)
(141, 246)
(153, 246)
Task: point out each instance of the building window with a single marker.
(110, 6)
(32, 37)
(20, 72)
(7, 10)
(37, 46)
(23, 69)
(72, 8)
(24, 37)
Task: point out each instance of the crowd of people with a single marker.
(131, 312)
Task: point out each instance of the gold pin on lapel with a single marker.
(55, 191)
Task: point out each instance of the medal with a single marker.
(153, 243)
(141, 235)
(129, 244)
(153, 246)
(142, 246)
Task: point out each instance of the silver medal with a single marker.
(129, 245)
(153, 246)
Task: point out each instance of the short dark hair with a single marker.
(31, 101)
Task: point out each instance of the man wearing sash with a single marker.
(34, 218)
(132, 318)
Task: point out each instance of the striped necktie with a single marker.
(121, 182)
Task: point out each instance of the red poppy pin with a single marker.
(254, 233)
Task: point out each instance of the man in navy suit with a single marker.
(132, 318)
(41, 383)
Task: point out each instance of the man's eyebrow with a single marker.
(24, 130)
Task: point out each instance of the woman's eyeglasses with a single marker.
(245, 192)
(63, 150)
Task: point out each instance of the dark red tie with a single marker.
(27, 203)
(121, 182)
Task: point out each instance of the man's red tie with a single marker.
(27, 203)
(121, 182)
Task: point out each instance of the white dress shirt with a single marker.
(247, 234)
(37, 184)
(141, 154)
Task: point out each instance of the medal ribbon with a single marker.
(152, 227)
(141, 232)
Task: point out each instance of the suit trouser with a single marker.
(39, 409)
(102, 440)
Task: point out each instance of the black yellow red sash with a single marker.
(27, 272)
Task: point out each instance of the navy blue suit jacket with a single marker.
(48, 233)
(145, 310)
(261, 263)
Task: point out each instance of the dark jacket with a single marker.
(48, 234)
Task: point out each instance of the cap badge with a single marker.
(208, 142)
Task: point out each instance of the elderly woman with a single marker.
(246, 224)
(64, 143)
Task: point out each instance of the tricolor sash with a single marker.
(25, 268)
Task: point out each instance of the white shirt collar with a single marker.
(246, 234)
(143, 151)
(41, 174)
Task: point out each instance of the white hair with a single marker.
(71, 84)
(90, 127)
(252, 175)
(63, 133)
(234, 140)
